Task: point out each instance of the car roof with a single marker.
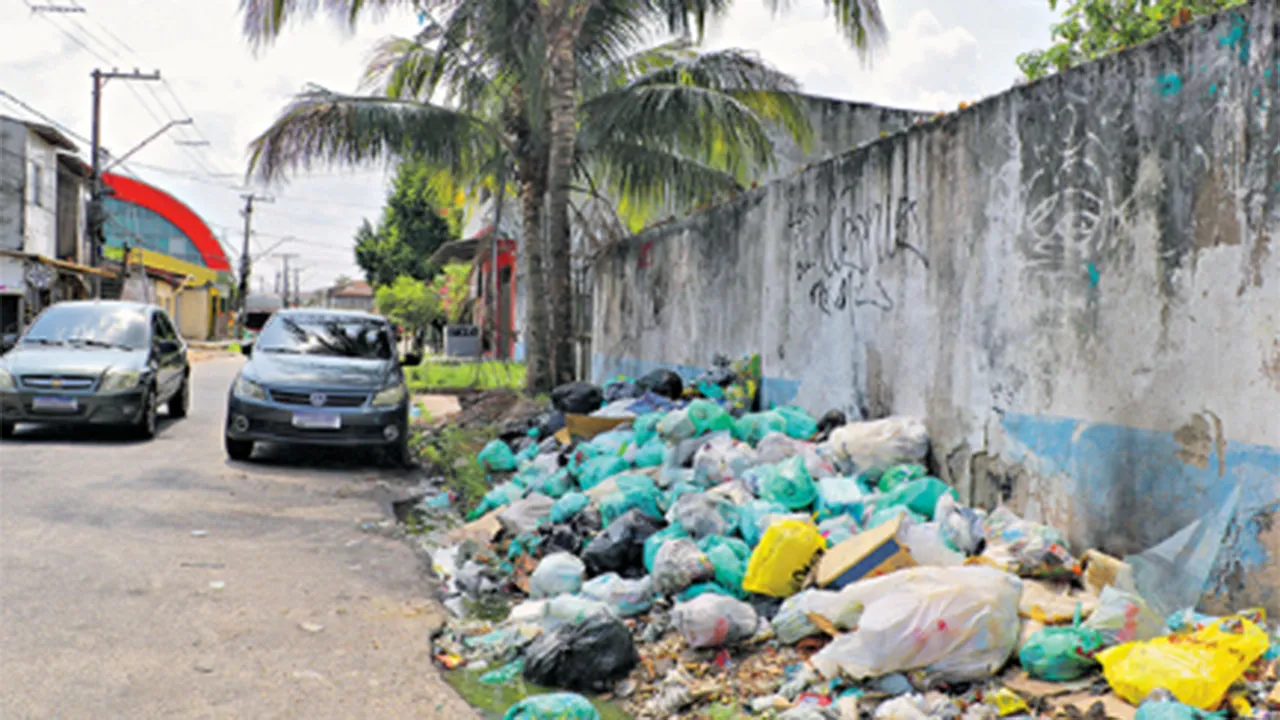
(331, 312)
(118, 304)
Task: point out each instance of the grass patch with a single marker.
(452, 452)
(477, 375)
(493, 700)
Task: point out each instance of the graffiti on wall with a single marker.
(839, 251)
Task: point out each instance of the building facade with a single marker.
(43, 251)
(187, 272)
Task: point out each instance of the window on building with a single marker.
(36, 184)
(137, 226)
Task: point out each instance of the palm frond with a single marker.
(323, 128)
(264, 20)
(861, 22)
(643, 177)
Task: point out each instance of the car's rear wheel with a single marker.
(145, 428)
(181, 400)
(6, 430)
(238, 450)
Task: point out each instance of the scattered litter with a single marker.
(691, 553)
(216, 585)
(310, 627)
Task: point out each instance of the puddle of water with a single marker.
(492, 701)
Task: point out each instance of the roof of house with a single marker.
(357, 288)
(50, 134)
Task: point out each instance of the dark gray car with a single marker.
(320, 377)
(98, 362)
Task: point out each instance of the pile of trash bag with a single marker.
(688, 523)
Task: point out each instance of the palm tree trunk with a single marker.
(563, 90)
(533, 191)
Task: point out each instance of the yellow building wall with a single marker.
(195, 313)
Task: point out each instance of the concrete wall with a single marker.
(41, 236)
(13, 183)
(1074, 282)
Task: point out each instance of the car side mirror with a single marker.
(411, 360)
(168, 347)
(246, 349)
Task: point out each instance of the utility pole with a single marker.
(284, 258)
(97, 215)
(245, 261)
(297, 287)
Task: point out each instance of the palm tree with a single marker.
(560, 25)
(664, 125)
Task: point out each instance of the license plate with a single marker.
(54, 404)
(317, 421)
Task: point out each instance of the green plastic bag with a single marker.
(886, 514)
(615, 505)
(800, 424)
(708, 417)
(838, 496)
(899, 474)
(568, 506)
(729, 558)
(556, 484)
(655, 541)
(919, 496)
(752, 428)
(788, 483)
(500, 496)
(598, 469)
(651, 454)
(497, 457)
(646, 427)
(504, 674)
(553, 706)
(752, 515)
(527, 455)
(694, 591)
(1061, 653)
(673, 493)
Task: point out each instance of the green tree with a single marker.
(415, 223)
(452, 292)
(410, 303)
(1091, 29)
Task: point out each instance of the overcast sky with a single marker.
(940, 52)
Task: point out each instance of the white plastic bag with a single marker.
(1124, 617)
(525, 515)
(712, 620)
(924, 542)
(958, 624)
(775, 447)
(722, 459)
(792, 623)
(624, 597)
(881, 443)
(703, 514)
(679, 564)
(557, 573)
(572, 609)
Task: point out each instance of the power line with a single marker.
(11, 98)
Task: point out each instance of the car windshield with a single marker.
(90, 325)
(319, 334)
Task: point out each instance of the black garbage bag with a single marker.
(560, 538)
(586, 656)
(549, 423)
(578, 398)
(721, 373)
(832, 420)
(662, 382)
(615, 391)
(620, 548)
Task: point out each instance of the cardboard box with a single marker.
(585, 427)
(869, 554)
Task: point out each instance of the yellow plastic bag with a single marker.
(781, 561)
(1198, 668)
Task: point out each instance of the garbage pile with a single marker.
(680, 550)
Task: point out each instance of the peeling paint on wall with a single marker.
(1063, 280)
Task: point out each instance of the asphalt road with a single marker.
(149, 580)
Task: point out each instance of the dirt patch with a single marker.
(495, 407)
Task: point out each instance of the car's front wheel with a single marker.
(397, 454)
(146, 426)
(238, 450)
(181, 400)
(6, 430)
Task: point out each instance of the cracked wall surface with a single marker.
(1075, 283)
